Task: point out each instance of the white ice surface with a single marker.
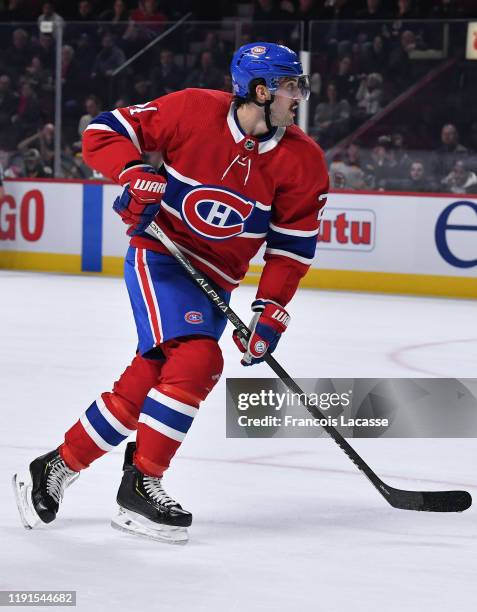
(278, 524)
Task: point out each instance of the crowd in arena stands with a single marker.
(357, 70)
(389, 166)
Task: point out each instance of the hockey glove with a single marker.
(143, 187)
(138, 216)
(267, 325)
(141, 199)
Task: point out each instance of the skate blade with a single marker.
(22, 489)
(135, 524)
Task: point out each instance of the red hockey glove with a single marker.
(267, 325)
(141, 199)
(143, 187)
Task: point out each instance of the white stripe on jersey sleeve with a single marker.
(128, 127)
(303, 260)
(181, 177)
(99, 126)
(294, 232)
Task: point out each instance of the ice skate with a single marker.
(39, 493)
(146, 510)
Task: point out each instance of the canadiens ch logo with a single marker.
(194, 317)
(215, 213)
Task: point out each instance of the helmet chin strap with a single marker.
(266, 107)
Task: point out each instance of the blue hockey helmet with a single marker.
(270, 62)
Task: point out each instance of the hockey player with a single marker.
(237, 173)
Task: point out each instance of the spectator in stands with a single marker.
(43, 141)
(73, 165)
(383, 165)
(132, 40)
(8, 106)
(27, 115)
(45, 49)
(108, 59)
(346, 171)
(17, 57)
(346, 80)
(406, 10)
(83, 24)
(400, 152)
(450, 151)
(206, 75)
(340, 31)
(400, 65)
(92, 105)
(166, 76)
(48, 14)
(375, 56)
(374, 11)
(40, 78)
(85, 11)
(142, 90)
(33, 166)
(73, 82)
(119, 13)
(148, 12)
(370, 94)
(416, 180)
(331, 119)
(460, 179)
(15, 12)
(216, 46)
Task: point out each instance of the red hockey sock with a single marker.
(112, 417)
(192, 368)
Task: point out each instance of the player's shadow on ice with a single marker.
(321, 519)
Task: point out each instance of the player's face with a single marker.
(290, 92)
(283, 111)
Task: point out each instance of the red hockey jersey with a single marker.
(227, 192)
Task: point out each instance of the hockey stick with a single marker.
(430, 501)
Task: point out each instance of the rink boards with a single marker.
(408, 243)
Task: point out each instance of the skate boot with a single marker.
(39, 494)
(145, 509)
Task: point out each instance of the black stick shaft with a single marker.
(201, 280)
(430, 501)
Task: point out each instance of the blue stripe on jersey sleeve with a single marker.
(304, 246)
(110, 120)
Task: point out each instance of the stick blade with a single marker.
(447, 501)
(430, 501)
